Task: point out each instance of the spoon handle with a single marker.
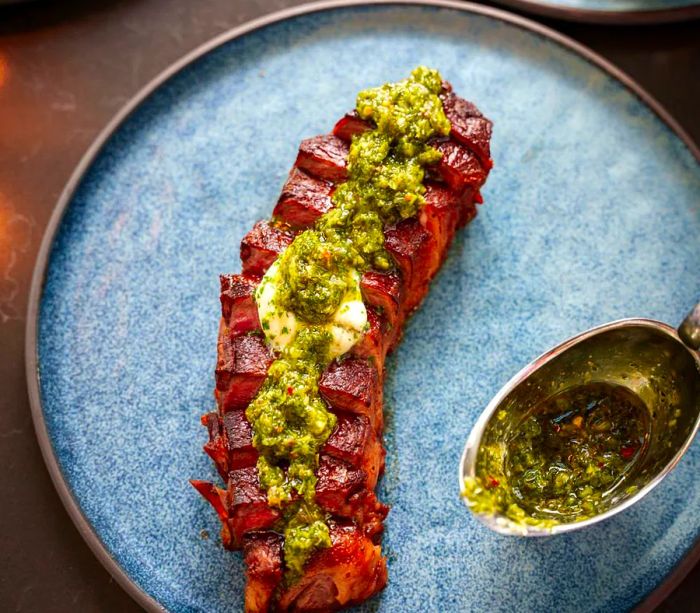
(689, 330)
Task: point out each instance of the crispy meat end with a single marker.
(216, 497)
(215, 447)
(368, 513)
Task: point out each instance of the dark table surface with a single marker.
(65, 68)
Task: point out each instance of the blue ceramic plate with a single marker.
(591, 214)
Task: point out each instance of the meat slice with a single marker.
(336, 482)
(324, 157)
(469, 126)
(349, 125)
(241, 368)
(262, 554)
(353, 446)
(410, 244)
(247, 505)
(367, 512)
(440, 215)
(239, 440)
(339, 488)
(230, 443)
(355, 441)
(413, 249)
(376, 340)
(304, 199)
(238, 306)
(459, 167)
(261, 246)
(384, 291)
(343, 491)
(353, 385)
(351, 570)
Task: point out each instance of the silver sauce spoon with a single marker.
(654, 361)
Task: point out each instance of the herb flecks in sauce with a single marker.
(566, 461)
(309, 301)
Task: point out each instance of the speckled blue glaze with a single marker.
(591, 214)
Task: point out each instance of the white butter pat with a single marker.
(280, 326)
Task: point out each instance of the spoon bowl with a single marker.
(646, 357)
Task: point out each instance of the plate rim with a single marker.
(70, 503)
(602, 16)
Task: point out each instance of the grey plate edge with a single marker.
(601, 16)
(71, 505)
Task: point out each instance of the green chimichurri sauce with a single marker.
(565, 460)
(315, 274)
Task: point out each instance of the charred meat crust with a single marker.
(241, 368)
(356, 442)
(459, 166)
(416, 255)
(247, 505)
(324, 157)
(238, 308)
(353, 385)
(261, 246)
(304, 199)
(350, 125)
(469, 126)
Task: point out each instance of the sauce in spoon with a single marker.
(564, 460)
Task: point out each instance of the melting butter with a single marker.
(346, 326)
